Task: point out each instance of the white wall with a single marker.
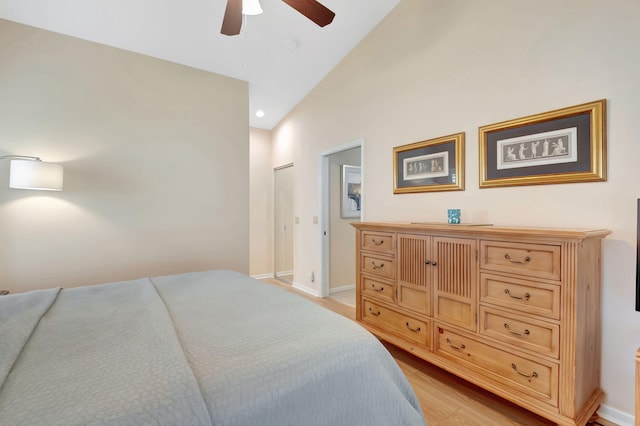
(261, 205)
(438, 67)
(156, 160)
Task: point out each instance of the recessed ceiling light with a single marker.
(260, 113)
(292, 44)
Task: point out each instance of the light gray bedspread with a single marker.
(202, 348)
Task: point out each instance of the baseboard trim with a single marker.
(263, 276)
(305, 289)
(616, 416)
(283, 273)
(342, 288)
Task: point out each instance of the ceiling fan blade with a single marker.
(232, 21)
(312, 10)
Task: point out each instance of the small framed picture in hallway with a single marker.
(350, 193)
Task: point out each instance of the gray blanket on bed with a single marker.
(203, 348)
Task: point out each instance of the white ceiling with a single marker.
(188, 32)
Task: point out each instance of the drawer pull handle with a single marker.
(373, 286)
(377, 266)
(526, 296)
(532, 376)
(377, 242)
(526, 259)
(524, 333)
(415, 330)
(458, 348)
(375, 314)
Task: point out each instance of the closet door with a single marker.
(283, 231)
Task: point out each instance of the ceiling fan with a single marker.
(313, 10)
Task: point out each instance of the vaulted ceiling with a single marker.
(280, 53)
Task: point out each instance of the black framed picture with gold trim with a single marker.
(561, 146)
(430, 165)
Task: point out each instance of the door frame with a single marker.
(324, 207)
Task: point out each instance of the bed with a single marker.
(202, 348)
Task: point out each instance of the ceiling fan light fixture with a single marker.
(236, 10)
(251, 7)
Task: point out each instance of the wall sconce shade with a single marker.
(251, 7)
(35, 174)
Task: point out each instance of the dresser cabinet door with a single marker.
(414, 273)
(455, 281)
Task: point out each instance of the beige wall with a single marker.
(342, 242)
(261, 208)
(437, 67)
(156, 160)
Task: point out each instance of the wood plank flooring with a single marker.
(446, 400)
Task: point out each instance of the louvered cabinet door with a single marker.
(454, 281)
(414, 273)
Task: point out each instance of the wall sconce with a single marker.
(33, 173)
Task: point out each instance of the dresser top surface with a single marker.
(484, 229)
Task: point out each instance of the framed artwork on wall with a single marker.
(350, 193)
(562, 146)
(431, 165)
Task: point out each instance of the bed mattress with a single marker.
(202, 348)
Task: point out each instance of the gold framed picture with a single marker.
(561, 146)
(431, 165)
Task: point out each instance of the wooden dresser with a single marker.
(513, 310)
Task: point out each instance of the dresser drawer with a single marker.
(523, 295)
(526, 333)
(380, 266)
(535, 260)
(536, 378)
(399, 323)
(384, 242)
(374, 287)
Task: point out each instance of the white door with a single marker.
(283, 232)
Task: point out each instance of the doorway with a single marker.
(338, 236)
(283, 223)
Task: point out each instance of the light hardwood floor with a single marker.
(347, 297)
(446, 400)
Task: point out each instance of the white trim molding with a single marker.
(342, 288)
(616, 416)
(263, 276)
(305, 289)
